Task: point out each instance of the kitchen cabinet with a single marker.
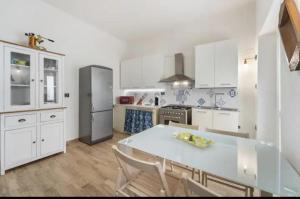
(216, 65)
(205, 66)
(20, 146)
(51, 138)
(216, 119)
(152, 70)
(226, 120)
(119, 113)
(226, 64)
(31, 105)
(131, 73)
(142, 73)
(50, 76)
(20, 78)
(202, 118)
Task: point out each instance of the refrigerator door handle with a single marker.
(93, 108)
(92, 118)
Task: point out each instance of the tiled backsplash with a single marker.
(225, 97)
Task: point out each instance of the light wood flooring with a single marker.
(82, 171)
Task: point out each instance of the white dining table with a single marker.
(249, 162)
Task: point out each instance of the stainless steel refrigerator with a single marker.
(95, 104)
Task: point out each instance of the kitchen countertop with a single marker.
(216, 108)
(139, 106)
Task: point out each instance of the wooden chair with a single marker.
(192, 188)
(135, 175)
(194, 172)
(249, 191)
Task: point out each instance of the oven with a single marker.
(177, 114)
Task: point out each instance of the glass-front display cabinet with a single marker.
(20, 79)
(50, 81)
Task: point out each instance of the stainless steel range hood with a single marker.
(179, 72)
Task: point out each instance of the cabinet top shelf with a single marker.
(24, 46)
(21, 66)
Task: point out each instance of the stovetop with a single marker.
(177, 107)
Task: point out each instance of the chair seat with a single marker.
(147, 185)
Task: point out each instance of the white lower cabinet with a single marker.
(202, 118)
(216, 119)
(51, 138)
(29, 136)
(20, 146)
(226, 121)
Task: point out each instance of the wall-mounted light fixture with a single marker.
(246, 61)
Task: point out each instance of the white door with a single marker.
(20, 146)
(50, 77)
(205, 66)
(20, 79)
(226, 64)
(51, 138)
(131, 73)
(226, 121)
(202, 118)
(152, 70)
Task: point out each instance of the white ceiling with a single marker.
(137, 19)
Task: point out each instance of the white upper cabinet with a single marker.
(205, 66)
(31, 79)
(145, 72)
(226, 64)
(51, 78)
(19, 79)
(216, 65)
(152, 70)
(131, 73)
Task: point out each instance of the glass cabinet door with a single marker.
(50, 79)
(20, 79)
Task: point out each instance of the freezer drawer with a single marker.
(102, 125)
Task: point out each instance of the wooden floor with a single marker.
(82, 171)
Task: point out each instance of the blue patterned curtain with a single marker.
(137, 121)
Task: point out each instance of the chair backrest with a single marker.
(174, 124)
(125, 160)
(236, 134)
(193, 188)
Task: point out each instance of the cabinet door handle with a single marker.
(225, 84)
(53, 116)
(41, 81)
(201, 112)
(224, 113)
(32, 80)
(43, 140)
(34, 142)
(21, 120)
(203, 84)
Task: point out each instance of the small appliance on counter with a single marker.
(156, 102)
(126, 100)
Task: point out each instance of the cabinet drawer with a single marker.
(202, 118)
(50, 116)
(19, 120)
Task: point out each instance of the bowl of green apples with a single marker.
(197, 141)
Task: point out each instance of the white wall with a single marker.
(239, 24)
(267, 115)
(82, 43)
